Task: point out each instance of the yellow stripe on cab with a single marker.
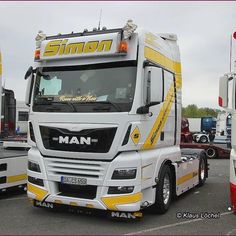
(155, 132)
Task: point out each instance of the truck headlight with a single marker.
(124, 173)
(34, 166)
(120, 189)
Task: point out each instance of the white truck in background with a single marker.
(105, 120)
(22, 117)
(194, 125)
(13, 164)
(227, 100)
(223, 128)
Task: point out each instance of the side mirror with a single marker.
(154, 88)
(223, 91)
(30, 77)
(29, 72)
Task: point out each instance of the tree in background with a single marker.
(192, 111)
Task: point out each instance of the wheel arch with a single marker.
(173, 172)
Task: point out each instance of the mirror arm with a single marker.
(153, 104)
(29, 72)
(145, 109)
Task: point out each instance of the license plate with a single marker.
(73, 180)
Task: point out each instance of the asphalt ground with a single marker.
(185, 216)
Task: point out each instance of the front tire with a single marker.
(164, 191)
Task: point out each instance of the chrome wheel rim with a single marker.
(166, 189)
(204, 139)
(202, 168)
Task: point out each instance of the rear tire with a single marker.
(202, 171)
(164, 191)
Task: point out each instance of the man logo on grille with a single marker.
(74, 140)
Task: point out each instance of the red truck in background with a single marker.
(212, 150)
(186, 135)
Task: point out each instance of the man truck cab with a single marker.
(105, 122)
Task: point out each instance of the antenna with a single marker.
(99, 23)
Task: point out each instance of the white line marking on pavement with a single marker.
(171, 225)
(12, 199)
(232, 232)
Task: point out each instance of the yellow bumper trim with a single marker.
(16, 178)
(58, 202)
(39, 193)
(73, 204)
(111, 202)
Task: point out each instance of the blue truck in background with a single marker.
(208, 124)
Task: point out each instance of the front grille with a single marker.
(87, 140)
(70, 167)
(77, 191)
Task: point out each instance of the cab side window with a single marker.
(168, 82)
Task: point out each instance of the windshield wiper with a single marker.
(115, 105)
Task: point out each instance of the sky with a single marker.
(203, 29)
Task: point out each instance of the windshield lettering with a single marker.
(97, 89)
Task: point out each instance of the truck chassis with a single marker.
(212, 150)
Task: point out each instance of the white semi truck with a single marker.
(105, 120)
(227, 100)
(22, 116)
(13, 164)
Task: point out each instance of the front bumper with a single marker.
(52, 170)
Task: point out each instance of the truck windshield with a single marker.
(97, 88)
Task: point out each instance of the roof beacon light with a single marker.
(129, 29)
(37, 54)
(39, 38)
(123, 47)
